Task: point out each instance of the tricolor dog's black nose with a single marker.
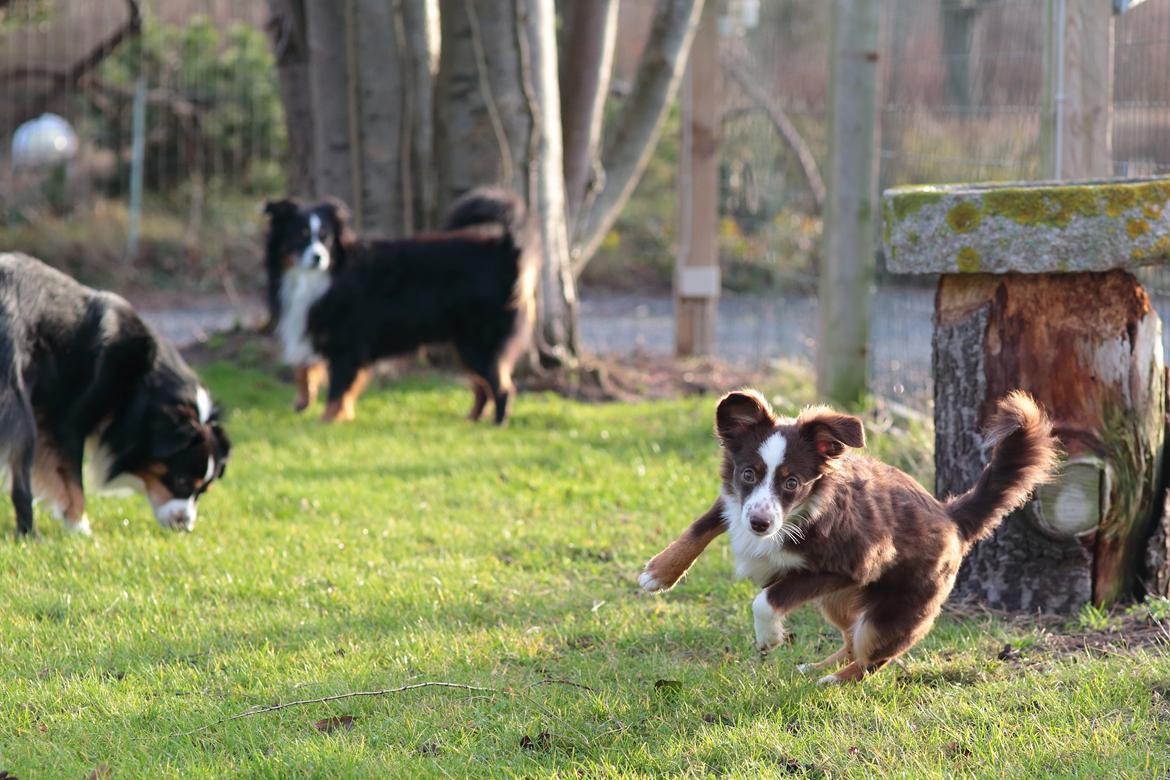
(760, 523)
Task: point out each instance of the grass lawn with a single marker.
(412, 546)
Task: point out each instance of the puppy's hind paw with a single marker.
(805, 668)
(829, 679)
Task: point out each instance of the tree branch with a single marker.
(738, 69)
(590, 29)
(632, 141)
(63, 79)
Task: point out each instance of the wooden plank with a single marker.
(1078, 89)
(695, 313)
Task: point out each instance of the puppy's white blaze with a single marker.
(763, 498)
(178, 513)
(772, 452)
(210, 469)
(203, 403)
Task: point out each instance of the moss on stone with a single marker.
(1118, 199)
(912, 237)
(908, 202)
(968, 260)
(1055, 207)
(1137, 228)
(964, 217)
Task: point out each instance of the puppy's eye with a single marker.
(791, 484)
(748, 475)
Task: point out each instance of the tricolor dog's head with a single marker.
(172, 449)
(771, 465)
(309, 239)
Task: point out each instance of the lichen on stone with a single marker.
(909, 201)
(964, 217)
(968, 260)
(1136, 228)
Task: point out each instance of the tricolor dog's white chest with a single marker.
(299, 290)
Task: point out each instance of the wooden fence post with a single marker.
(846, 280)
(1077, 131)
(696, 278)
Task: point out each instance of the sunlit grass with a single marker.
(414, 546)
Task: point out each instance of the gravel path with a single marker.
(753, 331)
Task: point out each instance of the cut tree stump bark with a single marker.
(1087, 345)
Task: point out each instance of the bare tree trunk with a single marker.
(420, 62)
(382, 113)
(498, 121)
(328, 89)
(629, 146)
(585, 68)
(290, 46)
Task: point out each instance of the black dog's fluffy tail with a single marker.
(492, 206)
(1023, 456)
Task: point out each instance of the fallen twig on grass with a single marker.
(380, 692)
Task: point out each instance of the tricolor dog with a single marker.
(810, 520)
(80, 370)
(344, 303)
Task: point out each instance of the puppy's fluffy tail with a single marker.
(1023, 456)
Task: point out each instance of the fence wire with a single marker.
(962, 99)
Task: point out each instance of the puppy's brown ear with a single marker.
(829, 431)
(741, 411)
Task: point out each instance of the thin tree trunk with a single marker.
(420, 61)
(382, 111)
(498, 121)
(586, 65)
(628, 147)
(328, 88)
(290, 47)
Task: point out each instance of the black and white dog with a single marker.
(345, 303)
(78, 367)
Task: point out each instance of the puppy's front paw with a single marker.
(829, 679)
(649, 582)
(805, 668)
(658, 575)
(769, 624)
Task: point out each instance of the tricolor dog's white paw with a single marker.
(650, 583)
(829, 679)
(805, 668)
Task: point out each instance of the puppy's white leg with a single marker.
(769, 623)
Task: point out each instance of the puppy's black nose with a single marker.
(759, 523)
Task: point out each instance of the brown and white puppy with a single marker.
(809, 520)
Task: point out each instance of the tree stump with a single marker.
(1087, 345)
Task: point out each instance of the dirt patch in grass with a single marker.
(633, 377)
(1061, 635)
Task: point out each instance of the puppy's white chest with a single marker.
(762, 566)
(759, 559)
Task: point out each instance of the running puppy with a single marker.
(78, 365)
(809, 520)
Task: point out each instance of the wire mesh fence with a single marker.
(964, 98)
